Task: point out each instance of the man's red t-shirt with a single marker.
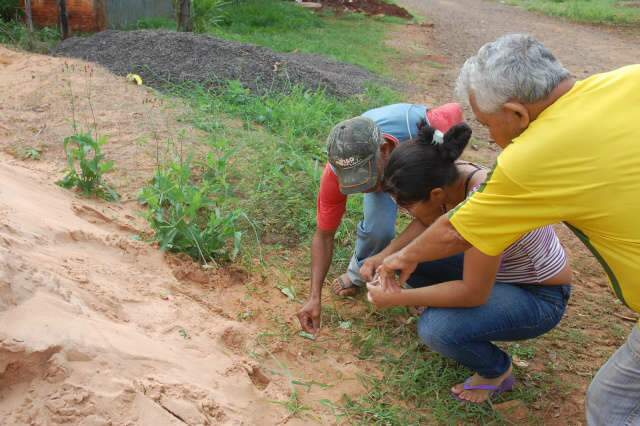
(331, 203)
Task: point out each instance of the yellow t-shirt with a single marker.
(578, 162)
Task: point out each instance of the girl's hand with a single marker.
(380, 297)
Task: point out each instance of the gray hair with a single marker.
(515, 67)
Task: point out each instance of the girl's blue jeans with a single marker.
(512, 312)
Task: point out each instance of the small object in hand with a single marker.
(375, 281)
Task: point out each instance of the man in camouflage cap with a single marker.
(358, 150)
(354, 149)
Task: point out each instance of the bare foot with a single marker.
(478, 395)
(342, 286)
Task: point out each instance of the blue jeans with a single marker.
(512, 312)
(613, 398)
(374, 232)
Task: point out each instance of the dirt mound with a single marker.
(93, 324)
(162, 57)
(96, 328)
(370, 7)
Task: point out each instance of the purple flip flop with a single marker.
(505, 386)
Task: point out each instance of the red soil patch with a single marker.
(369, 7)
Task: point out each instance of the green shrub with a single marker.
(86, 165)
(207, 14)
(9, 9)
(186, 214)
(16, 34)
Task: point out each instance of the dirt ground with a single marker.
(595, 324)
(97, 327)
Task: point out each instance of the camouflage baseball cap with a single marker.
(353, 147)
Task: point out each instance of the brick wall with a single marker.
(84, 15)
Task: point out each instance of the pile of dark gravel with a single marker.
(162, 57)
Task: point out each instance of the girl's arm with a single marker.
(473, 290)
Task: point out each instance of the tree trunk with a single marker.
(63, 18)
(184, 16)
(28, 15)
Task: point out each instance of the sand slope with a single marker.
(91, 329)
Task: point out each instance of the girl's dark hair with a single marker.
(418, 166)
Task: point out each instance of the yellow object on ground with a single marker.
(134, 78)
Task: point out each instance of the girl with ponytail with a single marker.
(469, 303)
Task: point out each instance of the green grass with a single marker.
(16, 34)
(415, 385)
(275, 146)
(596, 11)
(277, 156)
(285, 27)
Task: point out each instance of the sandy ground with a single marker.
(97, 328)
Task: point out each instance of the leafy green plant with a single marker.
(32, 153)
(207, 14)
(186, 216)
(86, 165)
(26, 152)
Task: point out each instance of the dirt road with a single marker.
(462, 26)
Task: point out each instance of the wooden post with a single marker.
(28, 15)
(63, 18)
(184, 16)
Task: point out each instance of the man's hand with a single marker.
(369, 267)
(380, 297)
(309, 316)
(392, 264)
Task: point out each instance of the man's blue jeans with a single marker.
(375, 231)
(613, 398)
(512, 312)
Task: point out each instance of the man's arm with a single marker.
(330, 209)
(438, 241)
(321, 255)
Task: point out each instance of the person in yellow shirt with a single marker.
(571, 153)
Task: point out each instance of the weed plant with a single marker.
(207, 14)
(86, 166)
(16, 34)
(187, 213)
